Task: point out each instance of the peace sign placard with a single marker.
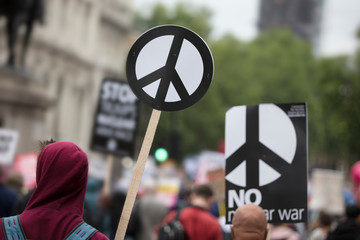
(169, 67)
(266, 160)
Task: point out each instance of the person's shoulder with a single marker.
(200, 213)
(99, 236)
(193, 208)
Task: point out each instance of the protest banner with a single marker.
(327, 191)
(8, 142)
(208, 161)
(25, 164)
(266, 160)
(116, 119)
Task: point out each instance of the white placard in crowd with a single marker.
(8, 142)
(327, 191)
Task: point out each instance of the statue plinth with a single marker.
(23, 106)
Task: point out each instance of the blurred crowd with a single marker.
(157, 203)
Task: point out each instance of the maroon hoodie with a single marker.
(56, 207)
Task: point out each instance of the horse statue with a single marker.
(18, 12)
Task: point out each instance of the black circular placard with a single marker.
(182, 67)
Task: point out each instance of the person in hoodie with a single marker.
(56, 207)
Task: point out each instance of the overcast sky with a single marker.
(341, 18)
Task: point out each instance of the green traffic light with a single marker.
(161, 154)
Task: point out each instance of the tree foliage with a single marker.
(338, 91)
(183, 14)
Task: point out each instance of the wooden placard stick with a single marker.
(107, 183)
(138, 171)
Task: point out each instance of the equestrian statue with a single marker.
(17, 13)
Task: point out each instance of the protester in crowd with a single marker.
(283, 232)
(148, 213)
(184, 195)
(113, 204)
(324, 225)
(15, 181)
(20, 204)
(198, 223)
(249, 223)
(56, 207)
(7, 197)
(94, 214)
(349, 228)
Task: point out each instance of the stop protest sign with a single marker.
(116, 119)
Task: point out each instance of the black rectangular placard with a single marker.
(116, 119)
(266, 160)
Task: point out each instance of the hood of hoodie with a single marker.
(57, 204)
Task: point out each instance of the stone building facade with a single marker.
(55, 96)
